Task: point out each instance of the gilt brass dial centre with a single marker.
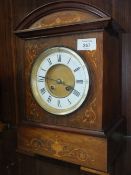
(60, 81)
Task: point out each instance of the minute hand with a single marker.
(58, 81)
(48, 78)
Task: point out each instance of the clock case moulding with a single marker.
(61, 24)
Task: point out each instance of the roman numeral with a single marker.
(76, 69)
(59, 103)
(69, 101)
(69, 61)
(41, 79)
(59, 58)
(49, 99)
(49, 61)
(43, 90)
(76, 93)
(43, 69)
(79, 81)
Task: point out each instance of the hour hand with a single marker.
(58, 80)
(47, 78)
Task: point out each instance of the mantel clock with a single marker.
(69, 84)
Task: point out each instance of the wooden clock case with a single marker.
(84, 137)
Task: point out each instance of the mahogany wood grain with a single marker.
(123, 162)
(62, 18)
(64, 146)
(7, 86)
(121, 13)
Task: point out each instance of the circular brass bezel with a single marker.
(34, 87)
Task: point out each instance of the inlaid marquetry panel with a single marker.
(62, 18)
(83, 150)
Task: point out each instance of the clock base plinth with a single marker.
(95, 152)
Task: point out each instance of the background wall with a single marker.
(11, 13)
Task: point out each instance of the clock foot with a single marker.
(95, 172)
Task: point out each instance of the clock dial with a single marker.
(60, 80)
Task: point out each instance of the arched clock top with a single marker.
(83, 9)
(61, 18)
(57, 18)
